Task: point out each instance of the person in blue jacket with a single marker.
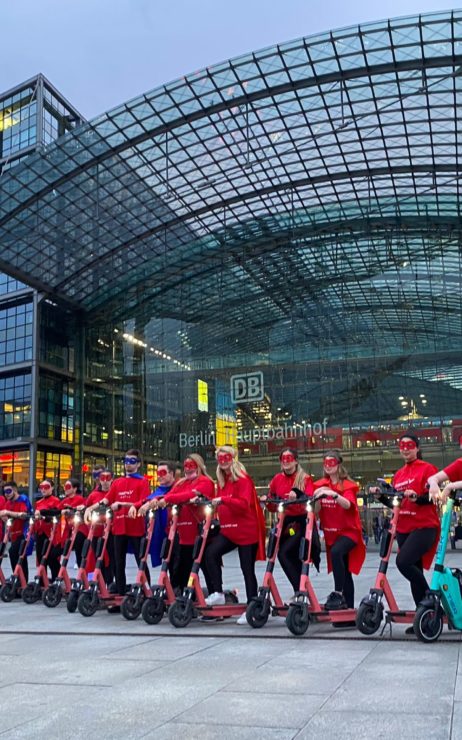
(165, 480)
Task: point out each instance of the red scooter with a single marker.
(17, 581)
(305, 606)
(268, 600)
(3, 548)
(140, 591)
(162, 595)
(97, 595)
(33, 591)
(62, 584)
(81, 582)
(371, 608)
(192, 600)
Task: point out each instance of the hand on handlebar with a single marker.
(133, 512)
(217, 501)
(292, 496)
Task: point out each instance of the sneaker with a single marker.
(211, 619)
(215, 599)
(242, 619)
(335, 601)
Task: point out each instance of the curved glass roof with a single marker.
(316, 181)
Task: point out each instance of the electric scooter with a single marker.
(444, 597)
(98, 595)
(81, 582)
(156, 605)
(132, 603)
(62, 584)
(305, 606)
(16, 583)
(3, 548)
(268, 600)
(371, 609)
(33, 591)
(192, 600)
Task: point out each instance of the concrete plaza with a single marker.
(70, 677)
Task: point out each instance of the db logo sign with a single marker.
(247, 388)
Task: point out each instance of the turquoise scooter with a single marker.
(445, 595)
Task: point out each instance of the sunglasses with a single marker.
(105, 476)
(161, 472)
(224, 457)
(407, 445)
(131, 460)
(8, 491)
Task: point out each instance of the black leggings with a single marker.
(181, 564)
(211, 565)
(41, 544)
(78, 546)
(289, 549)
(121, 542)
(14, 557)
(343, 580)
(412, 546)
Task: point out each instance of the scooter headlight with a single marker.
(280, 508)
(108, 513)
(395, 501)
(151, 514)
(175, 510)
(9, 522)
(309, 506)
(94, 517)
(209, 509)
(31, 520)
(55, 520)
(77, 519)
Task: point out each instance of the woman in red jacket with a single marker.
(418, 526)
(195, 481)
(42, 528)
(103, 484)
(242, 526)
(72, 500)
(282, 485)
(339, 517)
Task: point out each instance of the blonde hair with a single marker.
(237, 469)
(201, 467)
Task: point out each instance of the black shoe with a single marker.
(113, 609)
(409, 631)
(335, 601)
(344, 625)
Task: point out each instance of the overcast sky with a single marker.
(100, 53)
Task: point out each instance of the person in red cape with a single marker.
(418, 527)
(42, 528)
(242, 526)
(14, 507)
(285, 485)
(73, 499)
(195, 481)
(341, 524)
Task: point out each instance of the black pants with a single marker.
(289, 549)
(343, 580)
(219, 546)
(14, 557)
(412, 546)
(181, 565)
(41, 544)
(78, 546)
(121, 542)
(107, 570)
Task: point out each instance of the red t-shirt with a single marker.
(17, 528)
(42, 527)
(454, 470)
(414, 475)
(281, 485)
(2, 506)
(128, 490)
(240, 514)
(336, 521)
(190, 515)
(71, 502)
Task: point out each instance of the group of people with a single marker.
(242, 524)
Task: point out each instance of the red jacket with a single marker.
(190, 515)
(240, 514)
(338, 522)
(414, 475)
(281, 485)
(71, 502)
(17, 528)
(42, 527)
(128, 490)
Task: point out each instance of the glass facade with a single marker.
(266, 253)
(15, 333)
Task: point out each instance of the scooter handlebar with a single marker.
(278, 501)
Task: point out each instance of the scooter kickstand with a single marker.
(388, 623)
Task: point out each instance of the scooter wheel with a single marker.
(87, 604)
(298, 619)
(31, 594)
(130, 607)
(52, 596)
(71, 603)
(7, 592)
(369, 617)
(180, 613)
(257, 613)
(428, 623)
(153, 610)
